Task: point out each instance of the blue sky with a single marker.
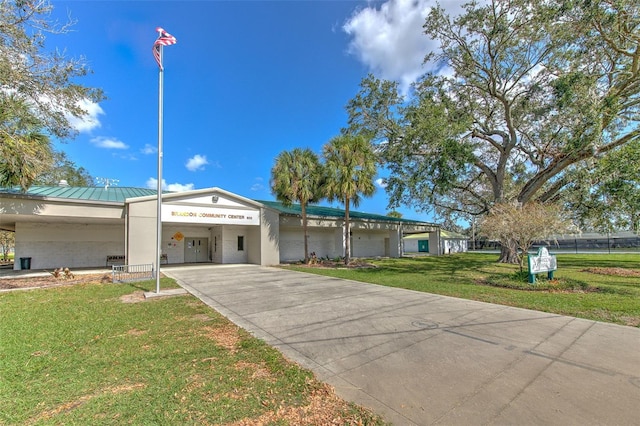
(246, 80)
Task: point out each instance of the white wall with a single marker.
(269, 237)
(328, 243)
(368, 244)
(435, 242)
(263, 244)
(320, 241)
(216, 244)
(56, 245)
(410, 245)
(230, 252)
(142, 228)
(172, 246)
(395, 243)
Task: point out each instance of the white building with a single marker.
(85, 226)
(439, 241)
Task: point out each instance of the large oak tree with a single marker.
(526, 94)
(606, 197)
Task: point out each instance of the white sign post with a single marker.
(541, 262)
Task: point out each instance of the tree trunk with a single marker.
(509, 254)
(347, 233)
(303, 207)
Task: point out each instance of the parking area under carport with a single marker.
(419, 358)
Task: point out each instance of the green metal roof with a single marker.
(118, 194)
(450, 235)
(313, 210)
(420, 236)
(112, 194)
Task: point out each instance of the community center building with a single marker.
(76, 227)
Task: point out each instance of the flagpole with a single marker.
(164, 39)
(159, 203)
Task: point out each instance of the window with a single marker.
(240, 243)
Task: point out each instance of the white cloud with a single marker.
(381, 183)
(390, 39)
(197, 162)
(109, 143)
(152, 183)
(178, 187)
(258, 186)
(90, 120)
(84, 124)
(130, 157)
(149, 149)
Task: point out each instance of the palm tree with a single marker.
(297, 176)
(350, 165)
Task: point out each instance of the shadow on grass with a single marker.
(484, 269)
(628, 261)
(424, 273)
(519, 281)
(150, 285)
(437, 264)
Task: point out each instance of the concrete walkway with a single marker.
(421, 359)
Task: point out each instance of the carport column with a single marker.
(395, 242)
(126, 231)
(435, 242)
(269, 232)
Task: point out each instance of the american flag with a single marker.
(164, 39)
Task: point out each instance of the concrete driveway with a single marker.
(421, 359)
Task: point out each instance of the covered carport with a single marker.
(64, 226)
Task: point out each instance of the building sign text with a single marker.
(204, 215)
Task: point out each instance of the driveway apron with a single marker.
(422, 359)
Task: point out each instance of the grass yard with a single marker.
(593, 286)
(98, 353)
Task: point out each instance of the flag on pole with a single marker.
(164, 39)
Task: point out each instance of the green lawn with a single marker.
(577, 290)
(83, 355)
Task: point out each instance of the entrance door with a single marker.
(196, 250)
(423, 246)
